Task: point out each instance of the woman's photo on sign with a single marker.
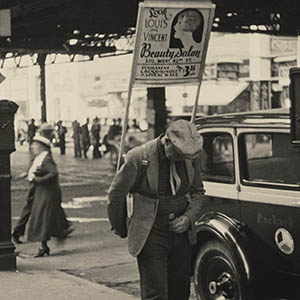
(187, 29)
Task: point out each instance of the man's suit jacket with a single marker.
(144, 207)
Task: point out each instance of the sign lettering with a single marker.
(171, 42)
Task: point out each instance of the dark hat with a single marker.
(42, 140)
(185, 137)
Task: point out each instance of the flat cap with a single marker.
(185, 137)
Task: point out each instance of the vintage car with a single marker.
(249, 232)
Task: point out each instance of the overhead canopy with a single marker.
(214, 94)
(107, 26)
(69, 26)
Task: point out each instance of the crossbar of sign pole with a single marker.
(5, 22)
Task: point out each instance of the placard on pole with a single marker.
(170, 46)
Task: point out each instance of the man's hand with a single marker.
(180, 224)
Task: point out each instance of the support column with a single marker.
(298, 49)
(7, 146)
(156, 111)
(260, 71)
(41, 61)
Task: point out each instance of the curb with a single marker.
(53, 285)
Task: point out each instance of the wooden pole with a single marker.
(124, 126)
(202, 66)
(125, 119)
(195, 107)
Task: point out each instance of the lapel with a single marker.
(152, 170)
(190, 170)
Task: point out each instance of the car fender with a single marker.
(229, 231)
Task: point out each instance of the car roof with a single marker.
(279, 118)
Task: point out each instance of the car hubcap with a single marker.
(222, 288)
(217, 279)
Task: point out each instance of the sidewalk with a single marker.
(41, 279)
(30, 283)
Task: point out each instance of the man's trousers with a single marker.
(165, 264)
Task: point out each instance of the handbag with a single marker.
(119, 214)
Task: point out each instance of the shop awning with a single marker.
(220, 93)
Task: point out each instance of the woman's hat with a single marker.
(46, 127)
(42, 140)
(46, 130)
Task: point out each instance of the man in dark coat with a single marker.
(76, 138)
(95, 134)
(166, 204)
(85, 138)
(31, 131)
(61, 131)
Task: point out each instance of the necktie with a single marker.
(175, 180)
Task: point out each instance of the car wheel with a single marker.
(217, 276)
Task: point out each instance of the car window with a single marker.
(217, 157)
(270, 158)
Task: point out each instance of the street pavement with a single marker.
(92, 263)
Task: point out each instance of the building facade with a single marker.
(243, 72)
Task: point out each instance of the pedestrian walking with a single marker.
(32, 128)
(166, 203)
(45, 130)
(113, 137)
(85, 138)
(19, 229)
(76, 137)
(95, 137)
(61, 131)
(115, 129)
(135, 125)
(47, 216)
